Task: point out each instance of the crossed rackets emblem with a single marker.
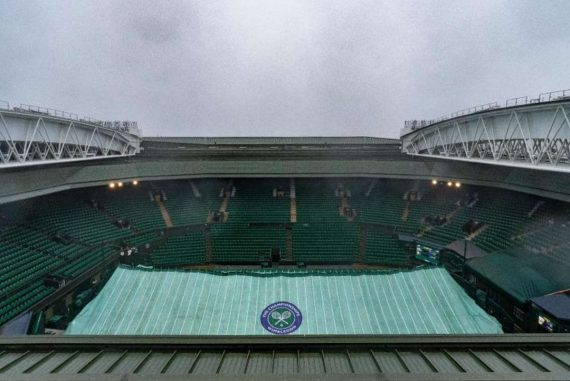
(281, 317)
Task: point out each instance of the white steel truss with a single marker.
(28, 138)
(533, 136)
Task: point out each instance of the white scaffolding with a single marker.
(31, 135)
(532, 135)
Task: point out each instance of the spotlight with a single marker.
(449, 184)
(457, 184)
(111, 185)
(135, 182)
(434, 182)
(120, 184)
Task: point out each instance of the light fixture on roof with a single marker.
(434, 182)
(457, 184)
(111, 185)
(120, 184)
(135, 182)
(449, 184)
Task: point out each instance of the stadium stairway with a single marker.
(164, 213)
(190, 202)
(293, 200)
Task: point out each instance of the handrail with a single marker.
(121, 125)
(47, 111)
(554, 95)
(551, 96)
(516, 101)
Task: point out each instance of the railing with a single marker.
(124, 126)
(411, 125)
(554, 95)
(86, 119)
(516, 101)
(46, 111)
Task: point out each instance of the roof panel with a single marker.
(25, 363)
(103, 362)
(415, 362)
(337, 362)
(75, 363)
(430, 357)
(180, 363)
(443, 362)
(390, 362)
(545, 359)
(311, 363)
(285, 363)
(363, 362)
(7, 358)
(55, 361)
(468, 361)
(234, 363)
(562, 356)
(260, 363)
(128, 364)
(155, 363)
(495, 362)
(214, 362)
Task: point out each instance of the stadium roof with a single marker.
(529, 275)
(406, 358)
(558, 305)
(172, 162)
(278, 140)
(466, 249)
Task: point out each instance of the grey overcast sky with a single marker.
(267, 68)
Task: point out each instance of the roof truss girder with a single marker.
(540, 137)
(37, 139)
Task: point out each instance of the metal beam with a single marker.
(29, 137)
(534, 136)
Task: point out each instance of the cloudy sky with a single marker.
(291, 67)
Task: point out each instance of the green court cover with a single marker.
(529, 275)
(160, 302)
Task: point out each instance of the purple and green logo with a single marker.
(281, 318)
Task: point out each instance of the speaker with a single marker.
(275, 254)
(472, 226)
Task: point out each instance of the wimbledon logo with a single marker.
(281, 318)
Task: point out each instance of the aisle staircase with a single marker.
(164, 212)
(293, 197)
(361, 257)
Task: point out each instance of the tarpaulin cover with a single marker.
(160, 302)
